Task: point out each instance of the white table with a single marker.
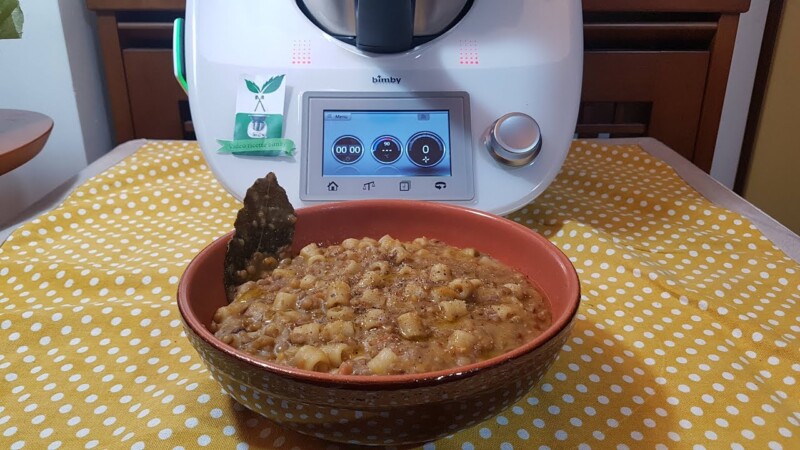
(717, 193)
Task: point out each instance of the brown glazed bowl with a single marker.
(387, 409)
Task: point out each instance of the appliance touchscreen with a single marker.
(386, 143)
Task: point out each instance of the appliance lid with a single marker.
(383, 26)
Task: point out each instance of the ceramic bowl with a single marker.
(392, 409)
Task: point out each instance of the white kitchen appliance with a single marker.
(470, 102)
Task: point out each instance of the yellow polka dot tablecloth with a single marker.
(687, 335)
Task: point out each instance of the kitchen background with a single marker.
(56, 69)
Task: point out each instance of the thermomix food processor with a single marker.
(469, 102)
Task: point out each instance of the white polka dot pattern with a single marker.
(686, 337)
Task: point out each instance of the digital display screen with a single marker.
(386, 143)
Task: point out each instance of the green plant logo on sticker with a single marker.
(268, 87)
(258, 124)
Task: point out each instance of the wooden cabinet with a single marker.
(658, 68)
(652, 68)
(136, 45)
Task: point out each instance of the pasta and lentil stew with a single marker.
(383, 307)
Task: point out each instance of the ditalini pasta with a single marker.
(381, 307)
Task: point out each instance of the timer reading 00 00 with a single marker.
(347, 149)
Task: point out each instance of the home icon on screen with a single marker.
(333, 187)
(405, 186)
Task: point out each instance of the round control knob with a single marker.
(514, 139)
